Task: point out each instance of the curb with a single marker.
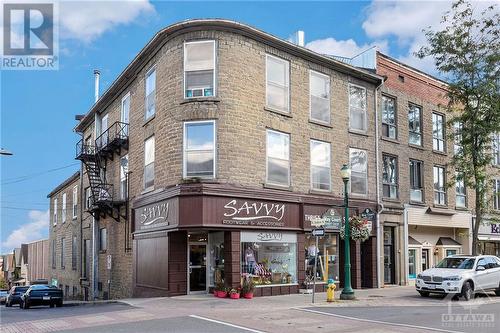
(92, 303)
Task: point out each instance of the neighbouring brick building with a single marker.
(65, 237)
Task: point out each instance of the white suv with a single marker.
(462, 276)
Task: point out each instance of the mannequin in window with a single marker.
(249, 259)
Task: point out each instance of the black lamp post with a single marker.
(347, 293)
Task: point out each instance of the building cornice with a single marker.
(166, 34)
(65, 183)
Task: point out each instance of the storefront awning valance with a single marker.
(447, 241)
(440, 211)
(489, 238)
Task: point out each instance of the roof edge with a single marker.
(67, 181)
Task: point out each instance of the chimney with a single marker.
(300, 38)
(97, 74)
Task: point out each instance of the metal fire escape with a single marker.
(94, 155)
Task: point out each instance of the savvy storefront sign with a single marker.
(254, 213)
(156, 216)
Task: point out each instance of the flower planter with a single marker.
(248, 295)
(221, 294)
(234, 295)
(216, 293)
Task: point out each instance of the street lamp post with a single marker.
(5, 152)
(347, 293)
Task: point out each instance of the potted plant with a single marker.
(359, 229)
(234, 293)
(247, 288)
(219, 288)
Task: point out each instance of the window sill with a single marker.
(357, 195)
(416, 146)
(317, 122)
(147, 190)
(358, 132)
(463, 209)
(280, 112)
(195, 180)
(440, 206)
(277, 187)
(75, 218)
(210, 100)
(417, 203)
(320, 192)
(439, 152)
(394, 200)
(147, 121)
(102, 251)
(384, 138)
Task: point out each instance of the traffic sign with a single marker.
(318, 232)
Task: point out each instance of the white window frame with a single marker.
(444, 185)
(63, 259)
(54, 213)
(421, 133)
(214, 68)
(389, 126)
(101, 242)
(365, 121)
(64, 207)
(311, 73)
(184, 148)
(123, 178)
(153, 162)
(366, 175)
(329, 165)
(460, 178)
(122, 113)
(496, 193)
(75, 202)
(267, 159)
(440, 142)
(146, 117)
(495, 147)
(88, 195)
(386, 183)
(421, 180)
(287, 62)
(457, 139)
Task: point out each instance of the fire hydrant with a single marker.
(330, 291)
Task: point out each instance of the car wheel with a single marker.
(8, 305)
(424, 293)
(467, 291)
(59, 304)
(51, 305)
(26, 305)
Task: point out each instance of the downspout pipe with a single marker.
(405, 280)
(95, 221)
(82, 205)
(380, 207)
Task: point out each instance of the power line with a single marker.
(15, 180)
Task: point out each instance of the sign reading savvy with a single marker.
(154, 216)
(253, 213)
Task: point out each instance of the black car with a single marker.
(14, 296)
(42, 295)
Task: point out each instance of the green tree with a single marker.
(3, 283)
(466, 51)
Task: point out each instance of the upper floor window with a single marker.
(278, 158)
(277, 83)
(319, 90)
(125, 113)
(63, 210)
(460, 191)
(415, 124)
(150, 93)
(389, 117)
(88, 196)
(199, 149)
(124, 177)
(416, 181)
(359, 171)
(496, 149)
(320, 165)
(357, 108)
(439, 186)
(457, 132)
(54, 212)
(63, 245)
(75, 202)
(103, 239)
(438, 132)
(199, 69)
(74, 251)
(149, 162)
(54, 253)
(390, 176)
(496, 194)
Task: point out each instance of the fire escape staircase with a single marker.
(103, 201)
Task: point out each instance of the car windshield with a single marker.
(458, 263)
(20, 289)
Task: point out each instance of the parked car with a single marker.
(42, 295)
(461, 276)
(14, 296)
(3, 295)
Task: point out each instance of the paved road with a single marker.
(15, 314)
(454, 316)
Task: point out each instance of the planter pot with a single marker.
(222, 294)
(248, 295)
(216, 293)
(234, 296)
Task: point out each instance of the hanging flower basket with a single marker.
(359, 229)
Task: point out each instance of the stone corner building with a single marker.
(209, 156)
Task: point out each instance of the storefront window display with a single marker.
(216, 262)
(490, 248)
(328, 259)
(269, 257)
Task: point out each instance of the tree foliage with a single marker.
(467, 51)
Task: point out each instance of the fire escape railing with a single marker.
(114, 137)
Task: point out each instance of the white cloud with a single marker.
(344, 48)
(28, 232)
(87, 20)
